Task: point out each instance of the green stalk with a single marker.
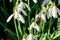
(15, 22)
(19, 28)
(35, 21)
(29, 12)
(29, 17)
(34, 31)
(31, 31)
(17, 3)
(28, 3)
(20, 0)
(43, 27)
(49, 26)
(16, 29)
(40, 25)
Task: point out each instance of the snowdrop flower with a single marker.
(49, 13)
(22, 5)
(34, 25)
(35, 1)
(30, 37)
(46, 2)
(58, 2)
(41, 16)
(53, 12)
(23, 11)
(17, 16)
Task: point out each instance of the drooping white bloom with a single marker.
(23, 11)
(34, 25)
(46, 2)
(22, 5)
(49, 13)
(43, 17)
(58, 2)
(54, 12)
(17, 16)
(35, 1)
(40, 15)
(30, 37)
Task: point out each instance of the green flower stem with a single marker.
(50, 22)
(16, 29)
(29, 12)
(20, 0)
(34, 31)
(43, 27)
(31, 31)
(19, 28)
(29, 17)
(40, 24)
(35, 21)
(28, 3)
(17, 3)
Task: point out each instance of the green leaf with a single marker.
(57, 34)
(58, 24)
(13, 35)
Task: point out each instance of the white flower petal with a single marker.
(40, 15)
(45, 2)
(30, 37)
(19, 10)
(54, 12)
(10, 17)
(43, 17)
(36, 17)
(21, 5)
(49, 13)
(58, 11)
(20, 18)
(27, 7)
(34, 25)
(31, 26)
(35, 1)
(23, 12)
